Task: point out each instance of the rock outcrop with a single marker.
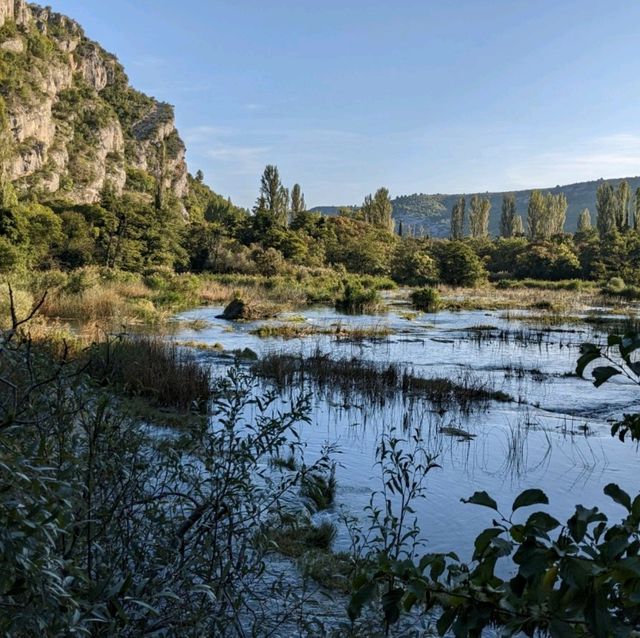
(70, 124)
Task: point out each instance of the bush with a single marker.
(615, 286)
(459, 265)
(426, 299)
(358, 300)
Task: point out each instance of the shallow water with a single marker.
(555, 435)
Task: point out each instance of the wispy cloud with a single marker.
(616, 155)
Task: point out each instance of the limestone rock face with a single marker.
(70, 124)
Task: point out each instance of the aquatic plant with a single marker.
(356, 299)
(378, 382)
(162, 372)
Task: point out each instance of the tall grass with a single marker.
(377, 382)
(164, 373)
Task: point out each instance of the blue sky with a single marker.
(416, 95)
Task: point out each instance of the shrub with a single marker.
(426, 299)
(615, 286)
(358, 300)
(459, 265)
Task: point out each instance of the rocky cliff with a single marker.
(70, 124)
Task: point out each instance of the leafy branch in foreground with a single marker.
(580, 578)
(618, 357)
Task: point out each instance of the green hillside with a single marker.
(429, 214)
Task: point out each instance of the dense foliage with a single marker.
(135, 232)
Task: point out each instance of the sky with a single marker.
(345, 96)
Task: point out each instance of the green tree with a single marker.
(378, 210)
(297, 201)
(584, 221)
(457, 219)
(274, 197)
(479, 216)
(606, 209)
(536, 215)
(458, 264)
(623, 197)
(518, 226)
(412, 264)
(507, 218)
(635, 221)
(556, 213)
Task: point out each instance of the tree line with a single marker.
(205, 233)
(615, 210)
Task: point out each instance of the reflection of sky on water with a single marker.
(538, 442)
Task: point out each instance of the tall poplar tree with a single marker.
(378, 209)
(457, 219)
(297, 200)
(623, 196)
(274, 197)
(518, 226)
(606, 209)
(556, 213)
(508, 215)
(479, 216)
(536, 215)
(584, 221)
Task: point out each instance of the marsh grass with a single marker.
(377, 382)
(288, 462)
(294, 535)
(339, 331)
(163, 373)
(491, 297)
(319, 489)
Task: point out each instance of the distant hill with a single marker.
(429, 214)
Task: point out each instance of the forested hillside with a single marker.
(430, 214)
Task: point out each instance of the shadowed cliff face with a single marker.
(70, 124)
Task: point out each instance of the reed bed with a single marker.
(376, 382)
(163, 373)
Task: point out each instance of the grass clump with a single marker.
(319, 489)
(344, 333)
(285, 462)
(426, 299)
(163, 373)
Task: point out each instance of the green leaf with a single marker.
(481, 498)
(618, 495)
(589, 353)
(360, 599)
(445, 621)
(530, 497)
(542, 521)
(484, 540)
(391, 605)
(603, 373)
